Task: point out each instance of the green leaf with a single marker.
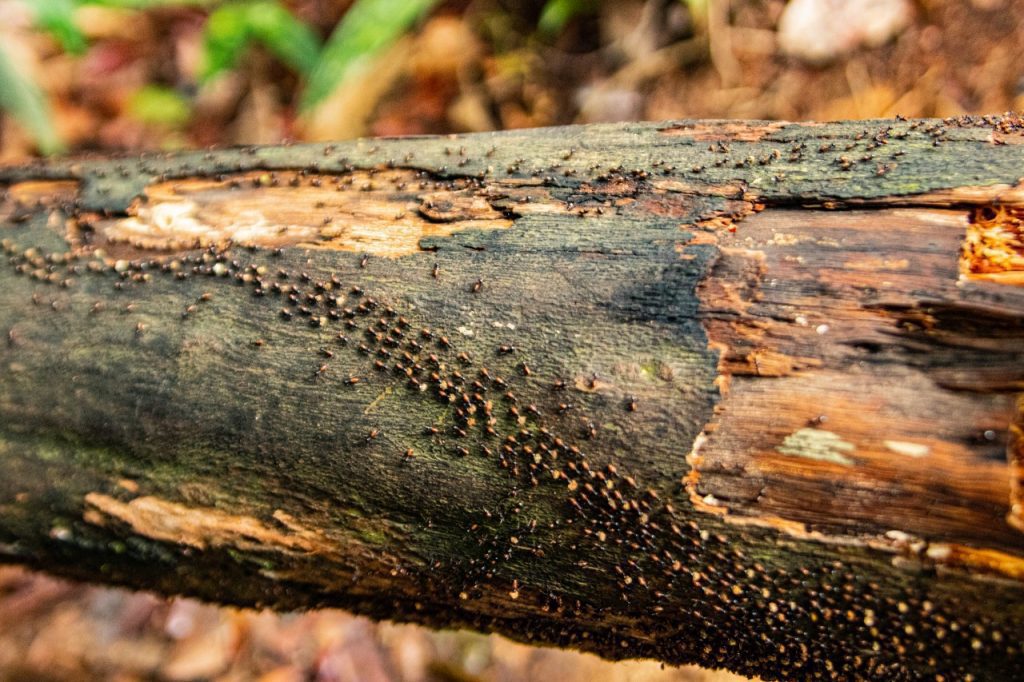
(557, 13)
(25, 102)
(57, 17)
(367, 28)
(225, 37)
(160, 105)
(230, 28)
(292, 41)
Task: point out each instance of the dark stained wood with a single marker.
(744, 394)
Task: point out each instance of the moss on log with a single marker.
(743, 394)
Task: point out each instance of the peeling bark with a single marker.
(740, 394)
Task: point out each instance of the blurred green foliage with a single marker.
(230, 29)
(25, 102)
(161, 106)
(232, 26)
(368, 27)
(557, 13)
(57, 17)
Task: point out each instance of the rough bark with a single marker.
(740, 394)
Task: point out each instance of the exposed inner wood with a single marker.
(812, 323)
(203, 527)
(973, 196)
(49, 192)
(724, 131)
(21, 198)
(994, 246)
(382, 213)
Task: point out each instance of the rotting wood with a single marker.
(740, 394)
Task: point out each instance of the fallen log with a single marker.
(743, 394)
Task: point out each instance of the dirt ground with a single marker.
(53, 630)
(470, 66)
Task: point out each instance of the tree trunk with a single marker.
(739, 394)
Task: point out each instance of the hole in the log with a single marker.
(868, 346)
(993, 247)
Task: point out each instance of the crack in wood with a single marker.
(1015, 455)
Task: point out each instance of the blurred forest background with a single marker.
(88, 76)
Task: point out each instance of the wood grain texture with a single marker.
(741, 394)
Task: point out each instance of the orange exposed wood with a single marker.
(994, 245)
(801, 310)
(724, 131)
(383, 213)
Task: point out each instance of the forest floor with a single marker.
(53, 630)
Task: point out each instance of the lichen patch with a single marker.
(817, 444)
